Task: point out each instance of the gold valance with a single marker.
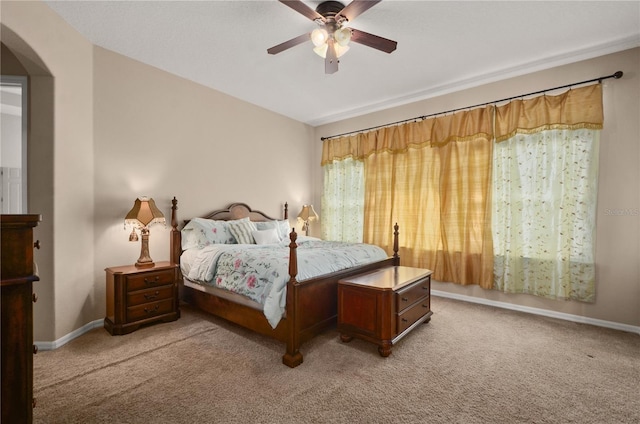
(436, 131)
(574, 109)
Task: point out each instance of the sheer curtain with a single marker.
(343, 201)
(342, 208)
(544, 194)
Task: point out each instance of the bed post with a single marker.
(286, 210)
(175, 244)
(396, 257)
(292, 357)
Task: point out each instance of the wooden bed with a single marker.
(311, 304)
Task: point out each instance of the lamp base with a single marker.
(145, 264)
(144, 261)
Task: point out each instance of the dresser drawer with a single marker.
(407, 317)
(149, 295)
(149, 280)
(407, 296)
(149, 310)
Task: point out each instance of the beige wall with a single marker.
(59, 63)
(105, 129)
(618, 237)
(163, 136)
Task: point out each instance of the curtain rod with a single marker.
(616, 75)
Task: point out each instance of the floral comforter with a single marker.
(261, 272)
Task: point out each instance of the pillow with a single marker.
(282, 227)
(269, 236)
(241, 230)
(200, 232)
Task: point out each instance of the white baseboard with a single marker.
(538, 311)
(74, 334)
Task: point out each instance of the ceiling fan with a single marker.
(332, 36)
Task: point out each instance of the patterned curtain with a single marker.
(544, 194)
(343, 201)
(342, 208)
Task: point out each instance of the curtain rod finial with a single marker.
(618, 75)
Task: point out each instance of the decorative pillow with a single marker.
(282, 227)
(242, 230)
(200, 232)
(269, 236)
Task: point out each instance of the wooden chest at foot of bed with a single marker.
(383, 306)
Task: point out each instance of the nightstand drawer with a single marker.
(413, 314)
(149, 310)
(149, 280)
(406, 297)
(149, 295)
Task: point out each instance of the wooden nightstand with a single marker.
(137, 296)
(384, 305)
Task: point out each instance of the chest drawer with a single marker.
(149, 280)
(149, 310)
(407, 317)
(149, 295)
(407, 296)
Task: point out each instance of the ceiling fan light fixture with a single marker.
(319, 36)
(322, 50)
(342, 36)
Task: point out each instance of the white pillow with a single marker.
(282, 226)
(269, 236)
(241, 230)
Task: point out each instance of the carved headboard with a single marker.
(242, 210)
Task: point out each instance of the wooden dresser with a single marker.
(17, 295)
(384, 305)
(137, 296)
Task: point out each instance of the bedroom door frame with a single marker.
(14, 181)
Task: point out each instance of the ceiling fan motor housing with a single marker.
(329, 9)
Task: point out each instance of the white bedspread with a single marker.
(261, 272)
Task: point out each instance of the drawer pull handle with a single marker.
(155, 280)
(35, 349)
(151, 296)
(152, 310)
(404, 299)
(34, 297)
(403, 319)
(425, 287)
(425, 306)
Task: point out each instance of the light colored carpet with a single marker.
(470, 364)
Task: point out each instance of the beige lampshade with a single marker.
(307, 213)
(143, 213)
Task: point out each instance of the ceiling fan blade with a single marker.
(303, 9)
(357, 7)
(331, 61)
(288, 44)
(379, 43)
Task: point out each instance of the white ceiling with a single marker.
(443, 46)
